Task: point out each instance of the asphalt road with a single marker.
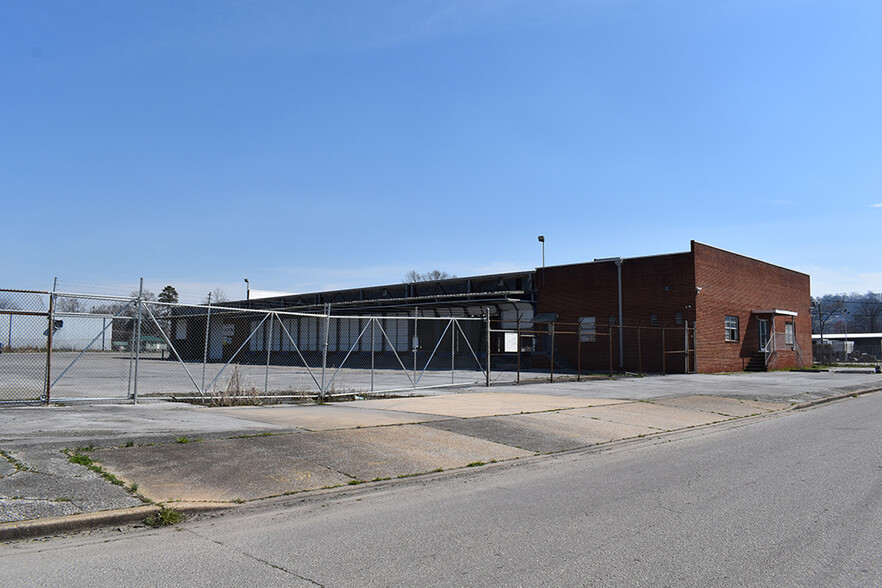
(785, 500)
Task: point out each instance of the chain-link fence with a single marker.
(128, 348)
(24, 336)
(68, 347)
(530, 350)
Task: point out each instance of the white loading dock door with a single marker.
(216, 340)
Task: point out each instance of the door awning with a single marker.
(776, 311)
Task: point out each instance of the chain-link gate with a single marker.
(24, 336)
(129, 349)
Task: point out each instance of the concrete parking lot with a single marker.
(182, 452)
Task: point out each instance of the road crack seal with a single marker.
(255, 558)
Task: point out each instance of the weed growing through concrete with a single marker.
(19, 466)
(87, 462)
(186, 440)
(79, 459)
(165, 516)
(253, 435)
(475, 464)
(130, 444)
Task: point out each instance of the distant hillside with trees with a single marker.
(847, 313)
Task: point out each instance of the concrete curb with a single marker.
(77, 522)
(818, 401)
(93, 520)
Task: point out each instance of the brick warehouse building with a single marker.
(742, 312)
(705, 310)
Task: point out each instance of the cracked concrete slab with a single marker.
(324, 417)
(480, 404)
(6, 468)
(52, 486)
(24, 509)
(546, 432)
(218, 470)
(383, 452)
(76, 424)
(256, 467)
(655, 416)
(734, 407)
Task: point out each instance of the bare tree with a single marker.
(869, 310)
(825, 307)
(432, 276)
(146, 295)
(218, 296)
(70, 305)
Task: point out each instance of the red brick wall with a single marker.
(735, 285)
(662, 285)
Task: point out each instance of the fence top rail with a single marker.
(228, 310)
(24, 312)
(589, 330)
(22, 291)
(92, 296)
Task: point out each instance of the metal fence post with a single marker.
(551, 372)
(325, 346)
(373, 325)
(269, 346)
(415, 343)
(686, 346)
(487, 323)
(610, 351)
(639, 352)
(205, 349)
(453, 327)
(519, 349)
(695, 347)
(138, 342)
(664, 355)
(48, 386)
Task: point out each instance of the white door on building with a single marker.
(216, 340)
(763, 327)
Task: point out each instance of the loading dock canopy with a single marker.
(449, 297)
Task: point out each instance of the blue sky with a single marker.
(317, 145)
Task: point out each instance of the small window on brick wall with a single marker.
(788, 334)
(653, 320)
(587, 329)
(180, 329)
(732, 328)
(678, 318)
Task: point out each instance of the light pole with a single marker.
(618, 261)
(843, 314)
(542, 240)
